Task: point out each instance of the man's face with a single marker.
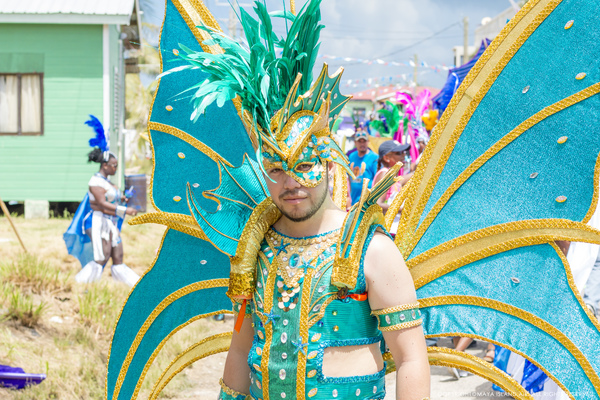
(296, 202)
(362, 145)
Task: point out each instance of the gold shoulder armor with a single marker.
(359, 220)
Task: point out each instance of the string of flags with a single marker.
(409, 63)
(381, 81)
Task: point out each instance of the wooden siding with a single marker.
(53, 166)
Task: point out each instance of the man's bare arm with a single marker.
(237, 372)
(390, 284)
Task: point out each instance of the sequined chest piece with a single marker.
(294, 258)
(292, 294)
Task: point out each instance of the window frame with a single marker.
(19, 99)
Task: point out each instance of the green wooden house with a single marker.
(59, 62)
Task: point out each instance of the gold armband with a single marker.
(228, 393)
(398, 317)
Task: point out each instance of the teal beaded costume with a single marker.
(291, 332)
(478, 224)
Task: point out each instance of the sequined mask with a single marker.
(300, 141)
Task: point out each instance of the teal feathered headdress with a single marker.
(272, 76)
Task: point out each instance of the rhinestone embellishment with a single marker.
(283, 337)
(181, 155)
(562, 140)
(284, 356)
(561, 199)
(169, 108)
(334, 393)
(534, 175)
(282, 374)
(526, 89)
(388, 319)
(569, 24)
(580, 76)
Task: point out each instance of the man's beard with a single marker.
(313, 209)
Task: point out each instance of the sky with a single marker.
(387, 30)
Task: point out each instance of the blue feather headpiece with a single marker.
(99, 140)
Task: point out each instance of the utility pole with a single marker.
(465, 57)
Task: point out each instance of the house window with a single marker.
(21, 110)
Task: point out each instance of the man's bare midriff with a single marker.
(352, 360)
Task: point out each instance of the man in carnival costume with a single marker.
(320, 295)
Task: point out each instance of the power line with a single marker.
(386, 39)
(420, 41)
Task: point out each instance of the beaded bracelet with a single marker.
(398, 317)
(229, 394)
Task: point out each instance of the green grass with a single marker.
(100, 304)
(22, 308)
(38, 286)
(31, 274)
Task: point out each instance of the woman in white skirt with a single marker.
(101, 223)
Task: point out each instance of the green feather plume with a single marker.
(254, 71)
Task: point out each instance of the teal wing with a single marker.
(240, 191)
(511, 168)
(200, 162)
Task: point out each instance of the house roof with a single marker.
(66, 11)
(386, 92)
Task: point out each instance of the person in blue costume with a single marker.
(363, 163)
(94, 235)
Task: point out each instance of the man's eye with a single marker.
(275, 170)
(304, 167)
